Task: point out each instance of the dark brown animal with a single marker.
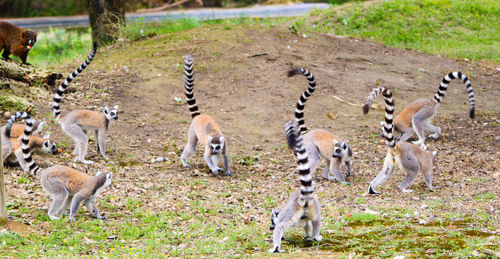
(15, 40)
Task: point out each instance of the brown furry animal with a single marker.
(15, 40)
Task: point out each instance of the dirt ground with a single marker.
(240, 79)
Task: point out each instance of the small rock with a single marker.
(422, 222)
(421, 69)
(159, 159)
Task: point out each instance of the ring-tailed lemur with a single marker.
(409, 157)
(417, 116)
(303, 208)
(11, 130)
(319, 142)
(66, 186)
(41, 145)
(203, 128)
(76, 123)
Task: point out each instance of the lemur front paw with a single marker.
(318, 238)
(54, 217)
(228, 173)
(276, 250)
(434, 136)
(103, 217)
(406, 190)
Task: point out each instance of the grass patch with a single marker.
(57, 46)
(454, 28)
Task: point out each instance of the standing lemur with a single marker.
(66, 186)
(303, 208)
(203, 128)
(409, 157)
(319, 142)
(417, 116)
(76, 123)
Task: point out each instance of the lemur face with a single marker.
(216, 144)
(49, 147)
(111, 114)
(341, 150)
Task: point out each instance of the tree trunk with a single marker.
(106, 19)
(3, 208)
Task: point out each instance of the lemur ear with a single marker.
(221, 139)
(41, 125)
(105, 110)
(210, 139)
(335, 142)
(344, 145)
(98, 173)
(47, 136)
(115, 107)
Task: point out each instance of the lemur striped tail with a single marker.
(389, 111)
(56, 110)
(28, 159)
(444, 86)
(12, 119)
(294, 138)
(188, 84)
(299, 109)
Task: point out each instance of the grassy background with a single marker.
(454, 28)
(57, 46)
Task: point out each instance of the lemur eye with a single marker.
(112, 114)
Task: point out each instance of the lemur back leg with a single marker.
(190, 147)
(59, 195)
(80, 139)
(308, 229)
(432, 128)
(407, 134)
(428, 179)
(418, 121)
(316, 225)
(384, 174)
(410, 164)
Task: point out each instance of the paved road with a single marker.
(206, 14)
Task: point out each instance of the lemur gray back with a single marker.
(188, 84)
(299, 109)
(56, 110)
(444, 86)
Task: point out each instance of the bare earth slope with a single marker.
(240, 79)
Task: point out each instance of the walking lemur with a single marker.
(76, 123)
(417, 116)
(319, 142)
(66, 186)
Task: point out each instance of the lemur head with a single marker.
(29, 38)
(274, 218)
(216, 144)
(49, 146)
(109, 178)
(342, 150)
(111, 114)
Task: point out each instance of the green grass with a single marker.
(454, 28)
(58, 46)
